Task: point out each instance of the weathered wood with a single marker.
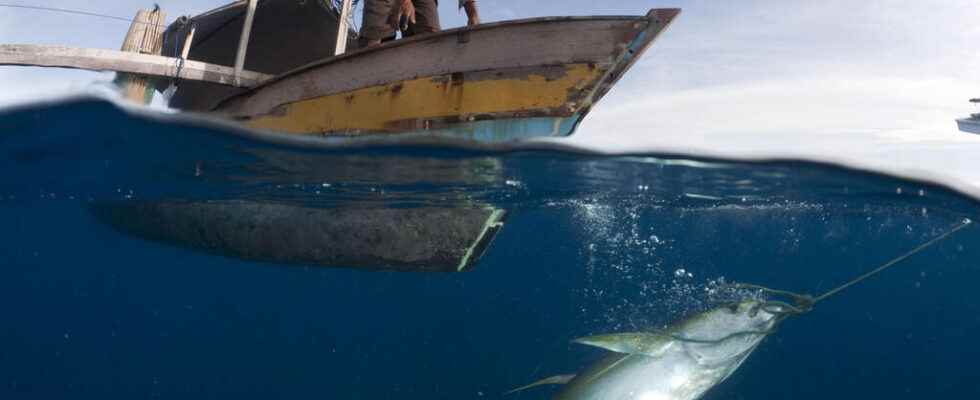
(243, 41)
(345, 11)
(135, 63)
(187, 44)
(487, 83)
(601, 41)
(145, 36)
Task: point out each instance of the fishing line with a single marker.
(892, 263)
(72, 11)
(803, 303)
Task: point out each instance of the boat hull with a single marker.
(433, 239)
(491, 83)
(969, 125)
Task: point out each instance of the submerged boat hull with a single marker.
(490, 83)
(435, 239)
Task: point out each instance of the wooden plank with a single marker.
(145, 36)
(187, 44)
(243, 41)
(112, 60)
(342, 28)
(519, 44)
(427, 103)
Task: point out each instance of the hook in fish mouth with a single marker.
(750, 307)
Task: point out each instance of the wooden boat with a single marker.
(488, 83)
(972, 124)
(491, 83)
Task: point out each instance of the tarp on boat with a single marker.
(285, 34)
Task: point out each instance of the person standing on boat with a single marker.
(384, 18)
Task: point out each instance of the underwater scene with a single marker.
(162, 258)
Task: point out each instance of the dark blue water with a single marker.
(592, 245)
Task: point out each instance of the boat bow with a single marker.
(488, 83)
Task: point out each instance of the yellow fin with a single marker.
(642, 343)
(554, 380)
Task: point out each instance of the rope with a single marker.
(179, 68)
(77, 12)
(892, 263)
(803, 303)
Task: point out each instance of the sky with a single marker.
(875, 83)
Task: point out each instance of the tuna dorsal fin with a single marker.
(554, 380)
(642, 343)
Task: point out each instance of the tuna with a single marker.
(681, 362)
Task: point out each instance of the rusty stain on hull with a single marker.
(553, 91)
(510, 80)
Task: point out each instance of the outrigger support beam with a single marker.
(345, 10)
(243, 41)
(119, 61)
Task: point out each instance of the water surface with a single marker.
(592, 244)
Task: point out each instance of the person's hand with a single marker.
(403, 8)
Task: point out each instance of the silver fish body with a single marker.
(663, 366)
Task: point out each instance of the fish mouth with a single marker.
(750, 307)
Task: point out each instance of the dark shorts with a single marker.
(375, 21)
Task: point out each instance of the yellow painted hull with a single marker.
(428, 102)
(491, 83)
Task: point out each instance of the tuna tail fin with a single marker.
(641, 343)
(554, 380)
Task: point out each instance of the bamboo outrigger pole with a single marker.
(139, 58)
(119, 61)
(145, 36)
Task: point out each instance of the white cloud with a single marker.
(885, 124)
(803, 106)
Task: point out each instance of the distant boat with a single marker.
(972, 124)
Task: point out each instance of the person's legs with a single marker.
(374, 24)
(426, 18)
